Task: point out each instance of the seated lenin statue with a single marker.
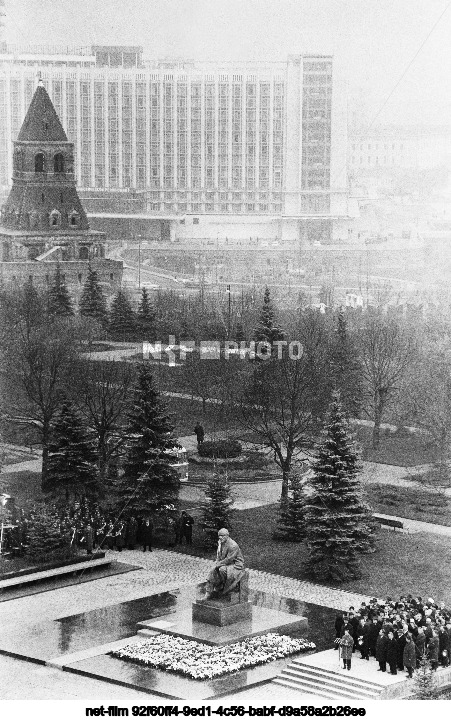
(228, 569)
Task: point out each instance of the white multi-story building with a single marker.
(215, 149)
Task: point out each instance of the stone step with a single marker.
(338, 685)
(311, 689)
(333, 675)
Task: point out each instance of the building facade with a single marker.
(201, 141)
(43, 223)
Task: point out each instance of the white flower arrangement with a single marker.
(200, 661)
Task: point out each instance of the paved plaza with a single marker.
(27, 622)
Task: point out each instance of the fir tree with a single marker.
(71, 463)
(291, 521)
(149, 482)
(45, 540)
(239, 333)
(346, 367)
(146, 317)
(59, 300)
(93, 301)
(338, 523)
(216, 508)
(122, 318)
(267, 329)
(425, 686)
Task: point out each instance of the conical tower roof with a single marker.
(41, 122)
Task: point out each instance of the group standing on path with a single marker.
(397, 634)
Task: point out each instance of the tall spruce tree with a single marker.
(291, 521)
(122, 318)
(216, 508)
(71, 463)
(59, 300)
(146, 317)
(45, 540)
(149, 482)
(346, 367)
(267, 330)
(93, 301)
(338, 523)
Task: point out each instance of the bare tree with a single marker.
(38, 352)
(387, 351)
(101, 391)
(286, 398)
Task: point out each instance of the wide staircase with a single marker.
(315, 681)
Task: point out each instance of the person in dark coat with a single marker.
(381, 650)
(109, 536)
(146, 535)
(339, 623)
(119, 536)
(443, 643)
(433, 650)
(409, 657)
(347, 645)
(88, 538)
(131, 533)
(200, 433)
(353, 622)
(392, 653)
(373, 635)
(363, 629)
(401, 635)
(186, 528)
(420, 645)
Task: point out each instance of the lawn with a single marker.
(24, 486)
(403, 563)
(396, 448)
(415, 503)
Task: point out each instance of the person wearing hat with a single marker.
(433, 650)
(443, 643)
(347, 645)
(381, 650)
(409, 658)
(392, 653)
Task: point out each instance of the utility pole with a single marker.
(139, 261)
(229, 314)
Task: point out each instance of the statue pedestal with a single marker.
(221, 612)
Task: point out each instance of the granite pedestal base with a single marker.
(220, 613)
(262, 620)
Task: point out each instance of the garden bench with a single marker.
(390, 522)
(52, 572)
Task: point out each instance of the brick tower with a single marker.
(43, 222)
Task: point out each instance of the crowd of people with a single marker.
(88, 527)
(110, 533)
(397, 634)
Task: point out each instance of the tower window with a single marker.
(74, 219)
(58, 163)
(39, 163)
(55, 219)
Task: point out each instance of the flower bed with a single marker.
(200, 661)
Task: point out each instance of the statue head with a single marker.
(223, 535)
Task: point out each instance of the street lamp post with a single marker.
(229, 314)
(139, 261)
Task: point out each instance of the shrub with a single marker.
(46, 542)
(220, 449)
(216, 508)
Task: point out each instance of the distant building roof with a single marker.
(41, 121)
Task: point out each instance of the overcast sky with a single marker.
(372, 40)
